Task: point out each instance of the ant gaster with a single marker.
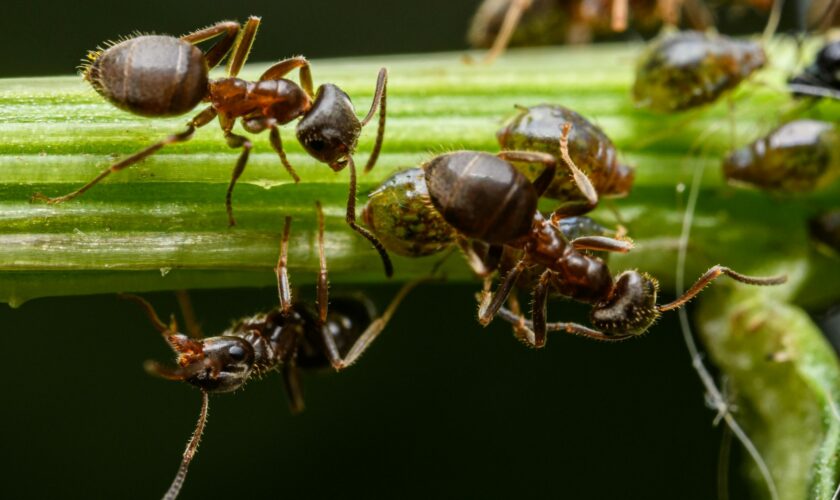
(466, 188)
(154, 75)
(286, 338)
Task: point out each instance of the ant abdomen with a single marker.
(798, 156)
(630, 309)
(330, 129)
(481, 196)
(150, 75)
(537, 128)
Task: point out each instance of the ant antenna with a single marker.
(714, 395)
(189, 452)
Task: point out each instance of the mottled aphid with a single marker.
(822, 77)
(686, 69)
(287, 338)
(798, 156)
(537, 128)
(153, 75)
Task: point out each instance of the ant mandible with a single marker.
(287, 338)
(465, 188)
(155, 75)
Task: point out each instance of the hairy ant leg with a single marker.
(291, 382)
(284, 290)
(242, 46)
(511, 20)
(602, 244)
(351, 221)
(713, 273)
(491, 302)
(380, 98)
(230, 30)
(538, 309)
(235, 141)
(187, 311)
(189, 452)
(280, 69)
(323, 293)
(200, 120)
(571, 328)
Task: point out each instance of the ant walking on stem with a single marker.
(155, 75)
(287, 338)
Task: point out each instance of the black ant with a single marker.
(822, 77)
(485, 198)
(286, 338)
(155, 75)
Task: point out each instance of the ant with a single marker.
(484, 197)
(287, 338)
(822, 77)
(155, 75)
(798, 156)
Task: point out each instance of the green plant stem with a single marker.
(161, 225)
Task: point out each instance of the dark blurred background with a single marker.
(439, 408)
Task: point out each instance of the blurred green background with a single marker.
(438, 408)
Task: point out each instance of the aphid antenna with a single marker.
(714, 396)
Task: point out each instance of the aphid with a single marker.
(288, 338)
(822, 77)
(686, 69)
(798, 156)
(825, 228)
(153, 75)
(537, 128)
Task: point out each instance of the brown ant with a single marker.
(286, 338)
(155, 75)
(484, 197)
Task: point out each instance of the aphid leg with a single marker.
(280, 69)
(602, 244)
(277, 144)
(372, 331)
(351, 221)
(235, 141)
(242, 46)
(294, 389)
(189, 452)
(380, 98)
(571, 328)
(490, 305)
(542, 181)
(218, 51)
(323, 280)
(200, 120)
(538, 309)
(478, 266)
(509, 24)
(284, 290)
(187, 311)
(714, 273)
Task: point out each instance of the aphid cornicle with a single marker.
(537, 128)
(686, 69)
(154, 75)
(292, 336)
(800, 155)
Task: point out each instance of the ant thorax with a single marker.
(282, 99)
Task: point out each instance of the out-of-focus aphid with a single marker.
(536, 129)
(686, 69)
(798, 156)
(825, 228)
(822, 77)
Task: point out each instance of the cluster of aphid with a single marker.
(484, 204)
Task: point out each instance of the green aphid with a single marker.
(686, 69)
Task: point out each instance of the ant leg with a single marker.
(159, 325)
(200, 120)
(618, 15)
(187, 311)
(218, 51)
(284, 291)
(235, 141)
(538, 309)
(714, 273)
(490, 305)
(369, 335)
(277, 144)
(519, 330)
(189, 452)
(294, 390)
(323, 281)
(478, 266)
(282, 68)
(179, 343)
(509, 24)
(351, 221)
(602, 244)
(379, 101)
(580, 178)
(242, 46)
(571, 328)
(545, 178)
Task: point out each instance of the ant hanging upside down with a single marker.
(287, 338)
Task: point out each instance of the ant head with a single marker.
(630, 308)
(213, 364)
(330, 130)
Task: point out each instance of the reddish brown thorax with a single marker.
(281, 99)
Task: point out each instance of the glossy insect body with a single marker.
(822, 77)
(536, 129)
(825, 228)
(686, 69)
(798, 156)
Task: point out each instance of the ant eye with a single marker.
(236, 353)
